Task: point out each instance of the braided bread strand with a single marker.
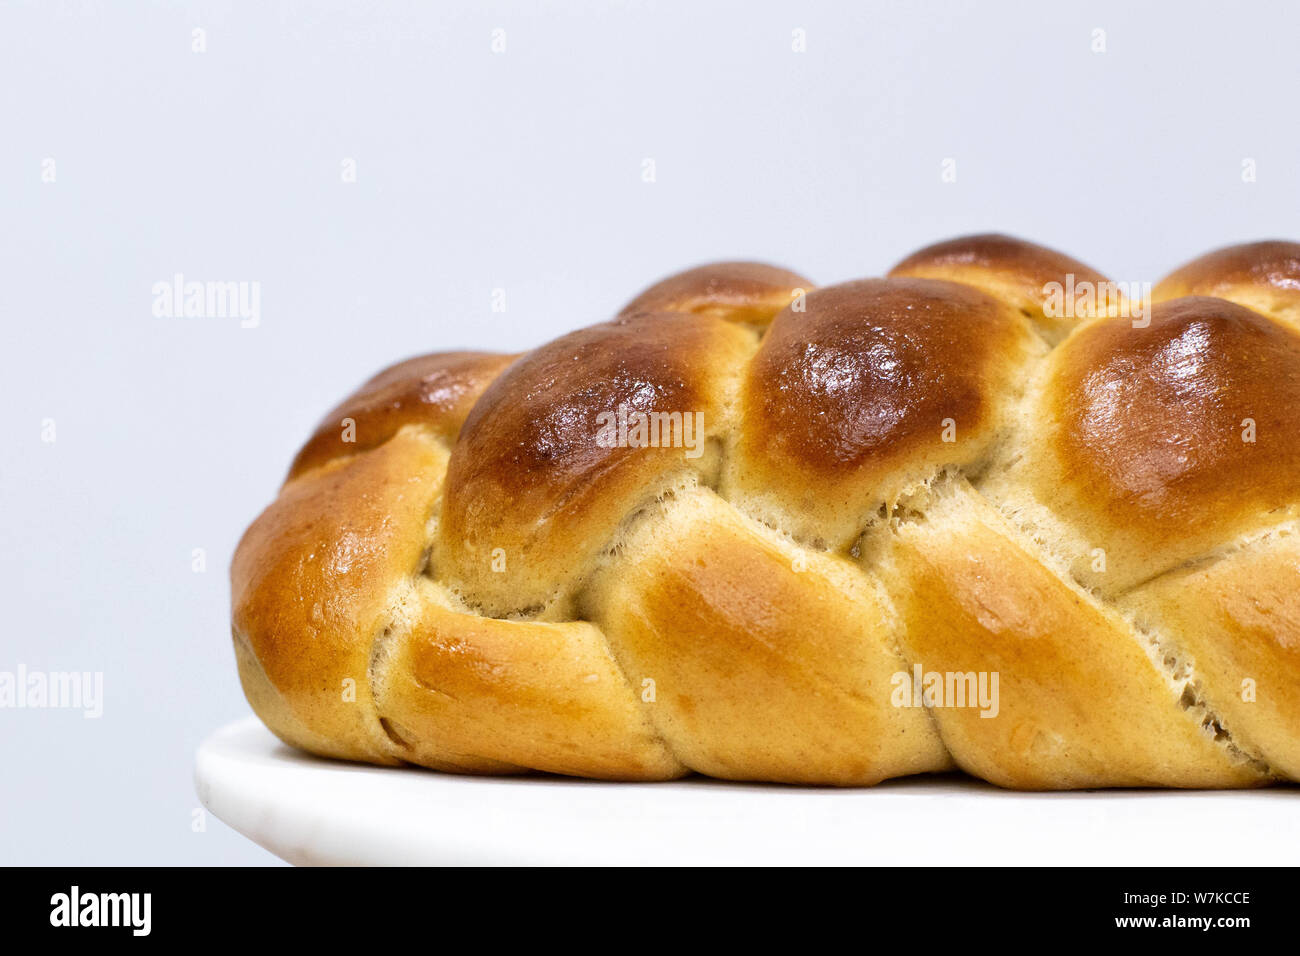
(763, 531)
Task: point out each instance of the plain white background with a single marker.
(476, 170)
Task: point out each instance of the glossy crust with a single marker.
(1262, 275)
(827, 438)
(1016, 272)
(533, 496)
(434, 390)
(1170, 440)
(751, 292)
(738, 529)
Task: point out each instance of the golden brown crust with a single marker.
(877, 384)
(750, 292)
(314, 578)
(1262, 275)
(1080, 702)
(1170, 439)
(1237, 621)
(472, 693)
(489, 579)
(1011, 270)
(762, 667)
(437, 391)
(544, 472)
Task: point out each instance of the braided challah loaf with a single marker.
(983, 514)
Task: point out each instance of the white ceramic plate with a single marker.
(312, 811)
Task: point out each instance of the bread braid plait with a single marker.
(741, 529)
